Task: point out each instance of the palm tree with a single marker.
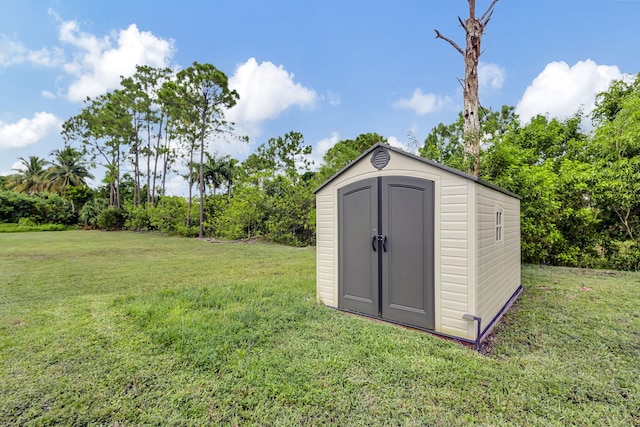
(68, 169)
(230, 166)
(31, 178)
(216, 171)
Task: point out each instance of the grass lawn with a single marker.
(102, 328)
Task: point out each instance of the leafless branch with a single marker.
(486, 21)
(463, 25)
(451, 42)
(486, 16)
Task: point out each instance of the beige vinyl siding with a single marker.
(454, 256)
(498, 261)
(326, 284)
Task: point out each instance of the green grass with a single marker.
(101, 328)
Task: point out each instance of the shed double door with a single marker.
(385, 246)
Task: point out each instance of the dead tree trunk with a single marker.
(474, 28)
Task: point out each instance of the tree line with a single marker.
(581, 190)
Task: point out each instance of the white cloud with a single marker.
(560, 90)
(16, 166)
(395, 142)
(13, 52)
(177, 186)
(320, 149)
(99, 62)
(490, 76)
(234, 148)
(422, 103)
(334, 98)
(265, 92)
(47, 94)
(28, 131)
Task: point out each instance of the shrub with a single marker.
(170, 215)
(111, 218)
(625, 255)
(54, 209)
(91, 210)
(27, 222)
(14, 206)
(138, 217)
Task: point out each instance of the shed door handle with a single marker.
(373, 243)
(384, 244)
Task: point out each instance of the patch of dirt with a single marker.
(248, 240)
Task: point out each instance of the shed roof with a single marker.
(423, 160)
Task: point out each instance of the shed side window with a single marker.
(498, 225)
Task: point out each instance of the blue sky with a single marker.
(328, 69)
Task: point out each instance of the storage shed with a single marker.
(407, 240)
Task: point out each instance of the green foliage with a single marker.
(55, 209)
(215, 209)
(30, 178)
(137, 218)
(168, 216)
(244, 216)
(26, 226)
(78, 195)
(289, 212)
(609, 103)
(111, 218)
(218, 170)
(26, 222)
(272, 197)
(14, 206)
(45, 208)
(532, 161)
(67, 170)
(445, 143)
(91, 210)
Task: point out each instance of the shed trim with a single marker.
(423, 160)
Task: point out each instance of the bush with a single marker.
(45, 208)
(111, 218)
(138, 217)
(91, 210)
(14, 206)
(54, 209)
(169, 216)
(625, 256)
(17, 228)
(27, 222)
(215, 208)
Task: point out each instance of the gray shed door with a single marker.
(385, 231)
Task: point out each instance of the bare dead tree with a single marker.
(474, 28)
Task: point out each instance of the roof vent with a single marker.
(380, 158)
